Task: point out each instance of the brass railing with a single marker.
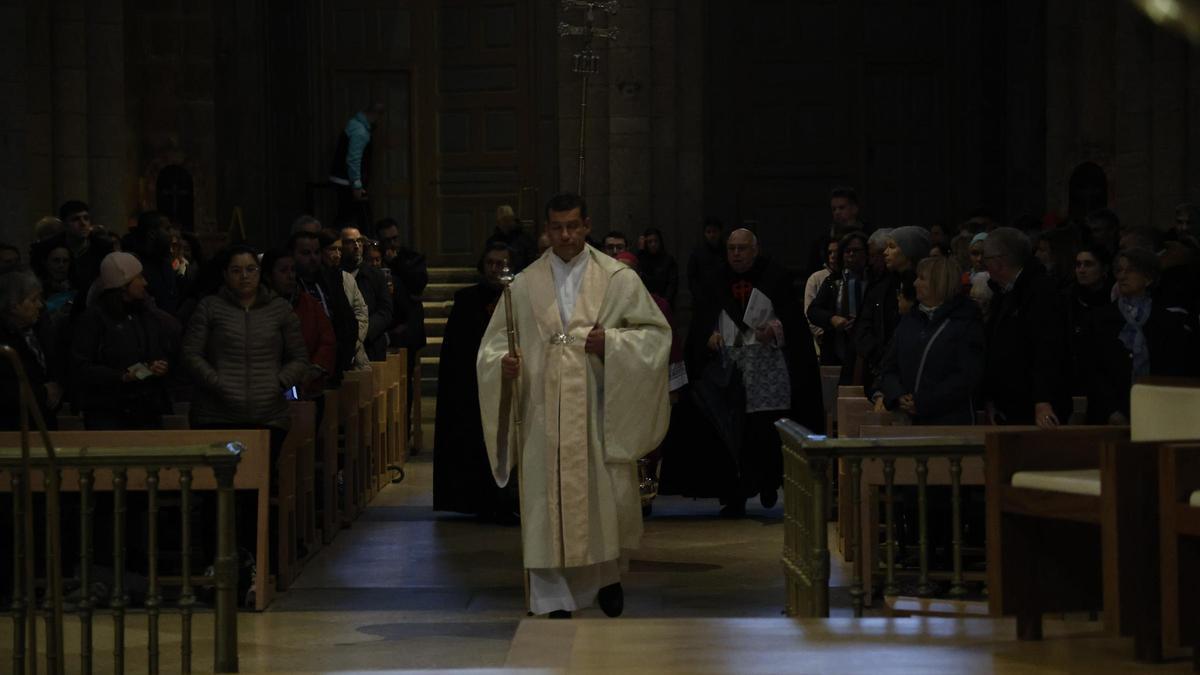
(23, 467)
(808, 459)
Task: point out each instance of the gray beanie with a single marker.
(913, 242)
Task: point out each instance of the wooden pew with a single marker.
(303, 439)
(830, 375)
(348, 410)
(1179, 547)
(397, 407)
(327, 439)
(1071, 527)
(380, 372)
(853, 410)
(254, 473)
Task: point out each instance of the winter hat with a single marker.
(979, 238)
(913, 242)
(118, 269)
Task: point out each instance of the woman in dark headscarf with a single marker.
(657, 268)
(1133, 337)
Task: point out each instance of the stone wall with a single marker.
(1125, 95)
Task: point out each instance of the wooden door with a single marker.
(485, 119)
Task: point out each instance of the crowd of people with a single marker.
(989, 323)
(118, 330)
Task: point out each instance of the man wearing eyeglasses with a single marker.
(373, 286)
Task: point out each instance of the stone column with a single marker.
(108, 190)
(630, 133)
(69, 100)
(14, 137)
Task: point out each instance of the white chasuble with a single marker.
(585, 421)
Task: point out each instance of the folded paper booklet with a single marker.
(140, 371)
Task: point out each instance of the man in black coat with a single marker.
(325, 286)
(749, 315)
(1027, 370)
(374, 290)
(509, 232)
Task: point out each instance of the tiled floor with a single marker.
(407, 589)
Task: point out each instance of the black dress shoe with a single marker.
(768, 498)
(612, 599)
(734, 509)
(559, 614)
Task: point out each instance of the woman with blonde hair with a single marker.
(935, 363)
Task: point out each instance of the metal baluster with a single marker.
(225, 656)
(186, 599)
(856, 534)
(52, 479)
(152, 592)
(889, 516)
(16, 480)
(118, 591)
(957, 589)
(87, 510)
(820, 534)
(923, 586)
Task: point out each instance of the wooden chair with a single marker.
(1179, 551)
(1071, 528)
(254, 474)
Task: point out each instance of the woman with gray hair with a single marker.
(23, 327)
(1134, 337)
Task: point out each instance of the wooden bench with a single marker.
(1070, 528)
(254, 473)
(327, 441)
(301, 512)
(1179, 547)
(350, 409)
(398, 406)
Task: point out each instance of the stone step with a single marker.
(437, 309)
(442, 291)
(435, 327)
(453, 275)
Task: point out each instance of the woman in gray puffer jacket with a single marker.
(244, 349)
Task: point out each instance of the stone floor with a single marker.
(407, 589)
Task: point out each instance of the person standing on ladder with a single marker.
(351, 167)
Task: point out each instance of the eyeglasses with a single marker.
(243, 271)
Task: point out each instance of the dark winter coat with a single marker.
(39, 371)
(837, 346)
(953, 369)
(1027, 349)
(1172, 344)
(410, 276)
(379, 306)
(243, 360)
(341, 315)
(660, 274)
(105, 346)
(1081, 305)
(877, 318)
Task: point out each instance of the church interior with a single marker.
(322, 543)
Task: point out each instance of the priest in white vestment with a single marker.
(592, 399)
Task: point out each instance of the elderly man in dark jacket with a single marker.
(1026, 377)
(375, 292)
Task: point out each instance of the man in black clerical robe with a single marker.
(748, 323)
(462, 476)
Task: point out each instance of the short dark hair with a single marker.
(845, 192)
(844, 243)
(297, 236)
(1098, 251)
(385, 224)
(268, 262)
(236, 250)
(326, 238)
(70, 208)
(714, 222)
(1106, 215)
(491, 247)
(617, 234)
(1143, 260)
(566, 201)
